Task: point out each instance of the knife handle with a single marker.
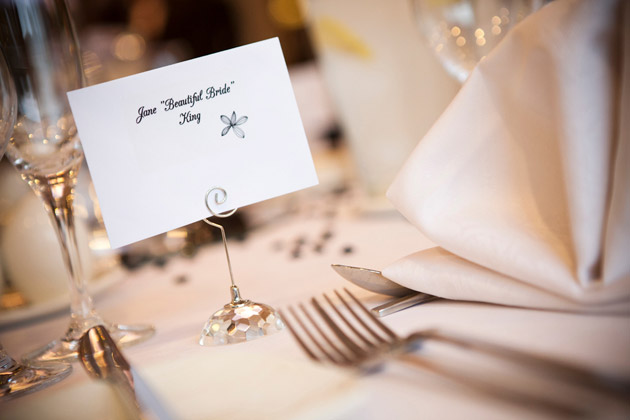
(401, 303)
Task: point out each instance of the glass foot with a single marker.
(239, 321)
(17, 379)
(65, 349)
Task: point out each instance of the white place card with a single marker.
(158, 141)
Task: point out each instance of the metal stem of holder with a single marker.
(241, 319)
(236, 297)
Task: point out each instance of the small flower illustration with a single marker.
(233, 123)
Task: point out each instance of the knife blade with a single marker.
(374, 281)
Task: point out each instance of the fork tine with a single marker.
(313, 340)
(378, 322)
(348, 324)
(347, 341)
(344, 357)
(297, 337)
(359, 319)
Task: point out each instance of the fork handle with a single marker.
(595, 380)
(557, 408)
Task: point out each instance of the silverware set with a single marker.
(349, 335)
(375, 281)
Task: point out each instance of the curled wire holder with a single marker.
(236, 298)
(241, 319)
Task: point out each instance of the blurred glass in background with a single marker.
(387, 86)
(463, 32)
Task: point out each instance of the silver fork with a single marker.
(371, 343)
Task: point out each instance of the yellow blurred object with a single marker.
(11, 299)
(286, 13)
(332, 33)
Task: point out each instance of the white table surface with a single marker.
(265, 274)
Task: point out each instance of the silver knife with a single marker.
(374, 281)
(102, 360)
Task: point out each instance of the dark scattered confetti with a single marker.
(133, 261)
(189, 250)
(160, 261)
(340, 190)
(334, 135)
(296, 251)
(182, 279)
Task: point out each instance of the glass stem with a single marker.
(57, 195)
(7, 364)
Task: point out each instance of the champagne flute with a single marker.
(8, 105)
(462, 32)
(42, 54)
(17, 379)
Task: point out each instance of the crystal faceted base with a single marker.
(66, 348)
(17, 379)
(239, 321)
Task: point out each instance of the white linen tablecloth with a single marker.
(286, 384)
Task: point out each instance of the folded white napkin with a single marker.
(524, 181)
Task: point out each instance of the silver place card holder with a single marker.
(241, 319)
